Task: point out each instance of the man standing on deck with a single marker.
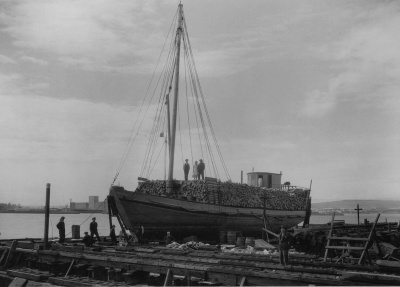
(284, 246)
(61, 230)
(186, 168)
(168, 238)
(113, 236)
(93, 229)
(200, 168)
(139, 233)
(87, 240)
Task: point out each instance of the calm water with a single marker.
(32, 225)
(24, 225)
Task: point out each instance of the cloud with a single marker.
(366, 64)
(17, 84)
(70, 143)
(96, 33)
(6, 60)
(10, 83)
(34, 60)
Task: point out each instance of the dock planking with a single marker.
(208, 266)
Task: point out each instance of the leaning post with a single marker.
(47, 214)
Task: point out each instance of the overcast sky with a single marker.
(309, 88)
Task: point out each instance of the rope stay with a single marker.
(168, 74)
(131, 141)
(208, 144)
(205, 107)
(195, 83)
(187, 110)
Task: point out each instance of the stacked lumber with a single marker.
(230, 194)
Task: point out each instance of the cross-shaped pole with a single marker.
(358, 214)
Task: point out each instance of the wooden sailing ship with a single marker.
(200, 207)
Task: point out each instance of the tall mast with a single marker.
(175, 102)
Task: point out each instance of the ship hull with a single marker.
(183, 218)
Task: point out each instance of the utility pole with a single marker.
(358, 214)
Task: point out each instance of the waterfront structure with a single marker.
(92, 205)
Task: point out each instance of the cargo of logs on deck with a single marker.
(73, 264)
(230, 194)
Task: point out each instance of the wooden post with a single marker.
(109, 211)
(358, 214)
(122, 228)
(329, 237)
(5, 252)
(47, 215)
(70, 266)
(270, 232)
(188, 277)
(168, 278)
(10, 256)
(369, 238)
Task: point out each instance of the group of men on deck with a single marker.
(198, 169)
(88, 240)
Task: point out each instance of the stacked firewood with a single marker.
(153, 187)
(231, 194)
(243, 195)
(286, 200)
(194, 190)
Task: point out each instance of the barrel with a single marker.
(76, 231)
(240, 241)
(249, 241)
(231, 236)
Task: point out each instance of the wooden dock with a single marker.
(66, 265)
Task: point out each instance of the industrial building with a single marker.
(92, 205)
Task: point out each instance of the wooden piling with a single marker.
(47, 215)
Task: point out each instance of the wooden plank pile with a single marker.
(30, 274)
(230, 194)
(80, 281)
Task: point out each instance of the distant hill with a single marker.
(351, 204)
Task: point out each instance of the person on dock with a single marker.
(139, 233)
(61, 230)
(168, 238)
(200, 169)
(284, 246)
(93, 229)
(186, 168)
(195, 171)
(113, 236)
(87, 240)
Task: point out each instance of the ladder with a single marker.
(348, 241)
